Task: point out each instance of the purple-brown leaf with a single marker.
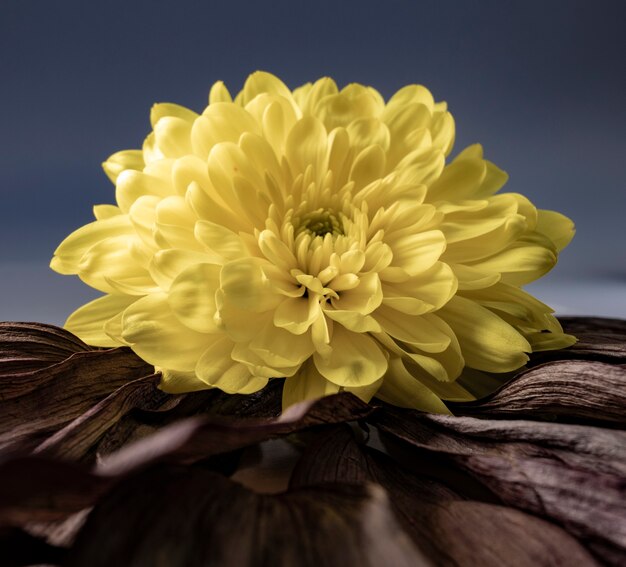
(55, 395)
(572, 475)
(576, 391)
(25, 347)
(447, 527)
(185, 516)
(196, 438)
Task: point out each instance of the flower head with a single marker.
(316, 235)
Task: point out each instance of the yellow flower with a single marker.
(316, 235)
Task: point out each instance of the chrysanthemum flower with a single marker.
(316, 235)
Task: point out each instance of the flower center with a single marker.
(320, 223)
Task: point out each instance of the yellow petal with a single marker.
(157, 336)
(368, 166)
(134, 184)
(557, 227)
(120, 161)
(102, 212)
(219, 93)
(354, 102)
(166, 265)
(366, 132)
(220, 122)
(354, 321)
(364, 298)
(459, 180)
(415, 330)
(307, 145)
(412, 94)
(175, 382)
(307, 384)
(192, 297)
(174, 226)
(416, 253)
(167, 109)
(520, 264)
(217, 368)
(69, 253)
(262, 82)
(364, 393)
(309, 95)
(237, 182)
(487, 342)
(470, 278)
(221, 243)
(279, 348)
(173, 136)
(423, 293)
(245, 286)
(111, 262)
(88, 321)
(485, 245)
(297, 314)
(402, 389)
(355, 360)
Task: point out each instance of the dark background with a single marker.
(541, 84)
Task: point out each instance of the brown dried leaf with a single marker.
(575, 391)
(197, 438)
(572, 475)
(149, 418)
(185, 516)
(75, 439)
(25, 347)
(36, 488)
(62, 392)
(445, 526)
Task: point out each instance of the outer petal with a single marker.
(69, 253)
(157, 336)
(120, 161)
(355, 359)
(111, 266)
(219, 93)
(192, 297)
(307, 384)
(217, 368)
(487, 342)
(245, 286)
(175, 382)
(557, 227)
(402, 389)
(88, 321)
(412, 329)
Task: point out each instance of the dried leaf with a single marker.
(60, 393)
(197, 438)
(575, 391)
(572, 475)
(148, 418)
(185, 516)
(448, 528)
(75, 439)
(40, 488)
(25, 347)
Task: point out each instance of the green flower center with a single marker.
(320, 223)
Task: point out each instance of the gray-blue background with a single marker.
(541, 84)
